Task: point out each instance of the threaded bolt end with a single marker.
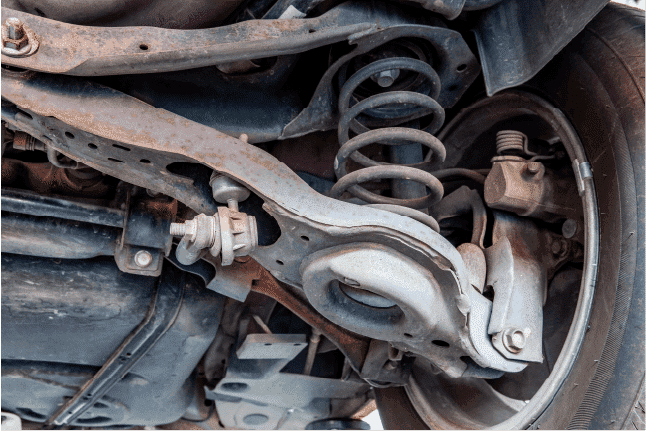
(178, 229)
(14, 28)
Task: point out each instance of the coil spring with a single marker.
(408, 106)
(510, 141)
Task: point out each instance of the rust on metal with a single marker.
(530, 189)
(47, 179)
(114, 115)
(96, 51)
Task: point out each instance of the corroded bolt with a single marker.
(143, 258)
(14, 28)
(15, 33)
(514, 340)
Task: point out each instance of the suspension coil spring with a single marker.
(510, 142)
(392, 108)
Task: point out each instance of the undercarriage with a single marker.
(265, 215)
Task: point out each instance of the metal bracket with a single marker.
(518, 276)
(144, 237)
(265, 396)
(582, 171)
(128, 255)
(530, 189)
(381, 369)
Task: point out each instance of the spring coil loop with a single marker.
(392, 108)
(510, 141)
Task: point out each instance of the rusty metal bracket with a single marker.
(519, 264)
(146, 168)
(353, 346)
(97, 51)
(138, 50)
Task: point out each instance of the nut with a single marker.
(514, 340)
(559, 246)
(143, 258)
(14, 28)
(386, 78)
(229, 232)
(18, 40)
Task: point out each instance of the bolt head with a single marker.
(559, 246)
(514, 340)
(143, 258)
(569, 228)
(534, 167)
(386, 78)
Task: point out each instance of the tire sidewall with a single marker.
(605, 109)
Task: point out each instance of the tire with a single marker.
(598, 82)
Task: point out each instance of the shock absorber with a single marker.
(394, 109)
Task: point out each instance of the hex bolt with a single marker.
(534, 168)
(17, 39)
(14, 28)
(514, 340)
(569, 228)
(143, 258)
(386, 78)
(13, 34)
